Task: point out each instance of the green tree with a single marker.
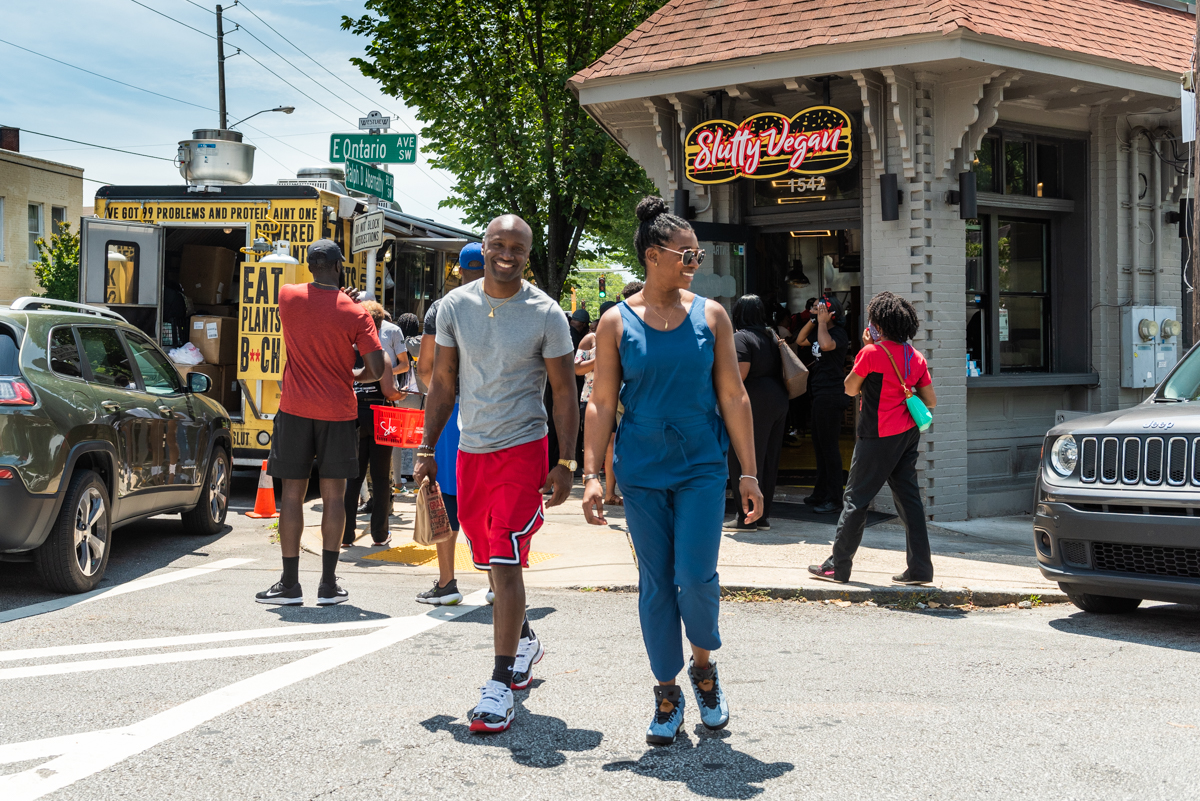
(587, 285)
(489, 80)
(57, 268)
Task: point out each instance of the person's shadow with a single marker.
(535, 741)
(708, 766)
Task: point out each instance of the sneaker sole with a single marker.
(536, 659)
(448, 600)
(281, 601)
(830, 579)
(658, 739)
(913, 583)
(718, 727)
(480, 727)
(331, 601)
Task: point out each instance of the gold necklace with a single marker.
(488, 300)
(666, 320)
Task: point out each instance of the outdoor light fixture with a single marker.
(804, 234)
(890, 197)
(796, 276)
(284, 109)
(965, 196)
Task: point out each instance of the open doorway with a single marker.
(796, 268)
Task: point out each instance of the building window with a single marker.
(36, 229)
(58, 216)
(1018, 164)
(1008, 308)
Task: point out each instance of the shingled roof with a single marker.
(684, 33)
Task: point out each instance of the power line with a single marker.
(105, 77)
(184, 24)
(102, 147)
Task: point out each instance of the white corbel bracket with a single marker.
(987, 113)
(688, 111)
(901, 97)
(759, 97)
(955, 108)
(662, 117)
(871, 87)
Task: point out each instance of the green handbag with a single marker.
(916, 407)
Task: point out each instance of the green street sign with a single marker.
(373, 148)
(362, 177)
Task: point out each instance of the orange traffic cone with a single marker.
(264, 502)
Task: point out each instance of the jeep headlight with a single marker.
(1064, 455)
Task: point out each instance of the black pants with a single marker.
(827, 413)
(379, 459)
(892, 460)
(770, 424)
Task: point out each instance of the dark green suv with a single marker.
(97, 429)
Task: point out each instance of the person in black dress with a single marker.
(827, 337)
(761, 367)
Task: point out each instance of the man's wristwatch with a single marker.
(589, 476)
(570, 464)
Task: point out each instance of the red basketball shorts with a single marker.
(500, 502)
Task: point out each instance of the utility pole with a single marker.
(221, 69)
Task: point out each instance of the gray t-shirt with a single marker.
(501, 362)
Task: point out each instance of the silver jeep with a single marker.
(1117, 515)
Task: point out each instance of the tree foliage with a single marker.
(57, 267)
(489, 82)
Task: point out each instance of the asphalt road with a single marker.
(368, 700)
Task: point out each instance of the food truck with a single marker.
(210, 257)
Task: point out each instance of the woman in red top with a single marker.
(886, 450)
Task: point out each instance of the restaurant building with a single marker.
(1013, 168)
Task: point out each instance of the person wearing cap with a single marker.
(585, 365)
(324, 331)
(445, 588)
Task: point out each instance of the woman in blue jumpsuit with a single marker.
(668, 356)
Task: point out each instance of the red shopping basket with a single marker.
(399, 428)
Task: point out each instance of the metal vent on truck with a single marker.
(1131, 452)
(1108, 460)
(1154, 461)
(1087, 460)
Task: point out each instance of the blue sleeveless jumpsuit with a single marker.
(669, 460)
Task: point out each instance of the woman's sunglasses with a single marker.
(688, 255)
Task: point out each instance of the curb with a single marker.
(946, 596)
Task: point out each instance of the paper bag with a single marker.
(432, 524)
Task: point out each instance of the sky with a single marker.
(123, 40)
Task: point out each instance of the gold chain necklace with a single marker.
(488, 300)
(324, 286)
(666, 320)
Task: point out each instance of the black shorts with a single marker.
(297, 441)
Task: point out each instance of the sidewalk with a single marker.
(983, 562)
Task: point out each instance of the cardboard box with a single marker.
(206, 274)
(224, 387)
(216, 337)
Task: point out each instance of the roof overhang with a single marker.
(922, 49)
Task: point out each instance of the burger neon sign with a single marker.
(817, 141)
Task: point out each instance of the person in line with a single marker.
(394, 348)
(372, 457)
(318, 414)
(886, 450)
(445, 588)
(585, 365)
(826, 377)
(502, 338)
(761, 367)
(668, 355)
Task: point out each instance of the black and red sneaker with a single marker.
(825, 572)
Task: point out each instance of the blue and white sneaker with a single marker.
(668, 715)
(714, 709)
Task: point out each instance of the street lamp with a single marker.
(284, 109)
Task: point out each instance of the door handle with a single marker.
(167, 410)
(111, 407)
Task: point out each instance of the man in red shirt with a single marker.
(323, 330)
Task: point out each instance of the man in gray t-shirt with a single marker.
(502, 339)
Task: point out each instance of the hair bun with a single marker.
(650, 207)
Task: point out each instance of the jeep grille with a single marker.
(1149, 461)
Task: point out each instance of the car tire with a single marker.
(208, 517)
(75, 555)
(1102, 604)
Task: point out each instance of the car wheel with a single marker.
(73, 558)
(209, 515)
(1102, 604)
